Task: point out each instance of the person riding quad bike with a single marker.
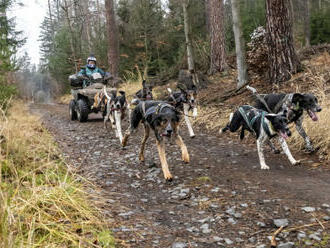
(90, 69)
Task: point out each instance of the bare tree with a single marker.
(113, 44)
(190, 57)
(282, 58)
(87, 22)
(98, 11)
(307, 28)
(66, 9)
(218, 57)
(239, 45)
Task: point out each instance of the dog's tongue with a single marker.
(284, 135)
(312, 115)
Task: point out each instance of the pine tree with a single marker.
(10, 39)
(217, 35)
(239, 45)
(113, 45)
(282, 58)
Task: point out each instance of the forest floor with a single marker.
(220, 199)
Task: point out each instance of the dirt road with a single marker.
(220, 199)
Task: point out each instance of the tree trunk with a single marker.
(307, 26)
(98, 16)
(113, 44)
(239, 45)
(190, 57)
(87, 30)
(58, 10)
(51, 18)
(218, 57)
(208, 15)
(66, 10)
(282, 58)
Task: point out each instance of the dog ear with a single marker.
(193, 87)
(297, 97)
(113, 93)
(143, 83)
(285, 113)
(122, 93)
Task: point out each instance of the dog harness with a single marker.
(155, 109)
(286, 101)
(246, 110)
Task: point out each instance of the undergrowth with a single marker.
(42, 202)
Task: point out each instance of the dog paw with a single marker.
(265, 167)
(296, 162)
(185, 158)
(141, 158)
(168, 177)
(309, 149)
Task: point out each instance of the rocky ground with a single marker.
(220, 199)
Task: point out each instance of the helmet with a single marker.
(91, 58)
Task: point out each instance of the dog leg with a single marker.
(118, 125)
(186, 118)
(107, 115)
(184, 150)
(144, 141)
(126, 136)
(129, 113)
(226, 128)
(260, 144)
(308, 144)
(272, 147)
(195, 113)
(113, 123)
(163, 161)
(287, 151)
(96, 101)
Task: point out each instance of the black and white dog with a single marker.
(115, 111)
(143, 94)
(294, 104)
(184, 101)
(264, 126)
(163, 120)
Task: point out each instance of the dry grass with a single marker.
(131, 87)
(43, 204)
(317, 74)
(65, 99)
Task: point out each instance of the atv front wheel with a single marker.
(72, 110)
(82, 110)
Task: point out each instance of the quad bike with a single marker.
(83, 97)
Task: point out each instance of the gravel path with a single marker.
(220, 199)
